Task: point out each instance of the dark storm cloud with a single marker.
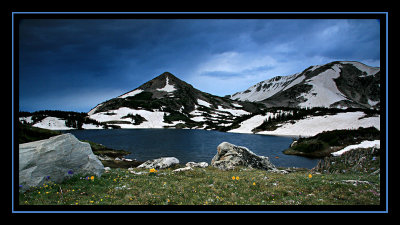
(68, 56)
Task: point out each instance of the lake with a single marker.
(192, 145)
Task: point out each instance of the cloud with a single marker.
(219, 56)
(235, 63)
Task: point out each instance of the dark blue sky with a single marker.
(74, 64)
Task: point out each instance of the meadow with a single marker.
(208, 186)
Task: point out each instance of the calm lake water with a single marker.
(191, 145)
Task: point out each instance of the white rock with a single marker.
(229, 156)
(183, 169)
(137, 173)
(54, 159)
(194, 164)
(160, 163)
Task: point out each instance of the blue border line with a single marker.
(12, 80)
(387, 111)
(201, 13)
(387, 124)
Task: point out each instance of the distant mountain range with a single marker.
(337, 84)
(348, 90)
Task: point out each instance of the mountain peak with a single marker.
(166, 73)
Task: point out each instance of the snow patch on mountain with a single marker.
(91, 126)
(168, 87)
(203, 103)
(198, 118)
(154, 119)
(324, 91)
(235, 112)
(94, 109)
(267, 88)
(294, 90)
(52, 123)
(26, 119)
(132, 93)
(247, 125)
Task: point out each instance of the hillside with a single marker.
(167, 101)
(340, 84)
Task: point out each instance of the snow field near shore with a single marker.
(363, 144)
(313, 125)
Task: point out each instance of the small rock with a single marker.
(137, 173)
(355, 182)
(160, 163)
(194, 164)
(183, 169)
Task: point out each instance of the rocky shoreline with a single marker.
(325, 143)
(37, 160)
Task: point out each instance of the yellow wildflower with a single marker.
(237, 178)
(254, 183)
(309, 175)
(92, 177)
(233, 178)
(153, 170)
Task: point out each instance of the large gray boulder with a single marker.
(160, 163)
(55, 159)
(229, 156)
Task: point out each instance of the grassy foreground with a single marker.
(209, 186)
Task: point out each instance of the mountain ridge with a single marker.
(168, 102)
(339, 84)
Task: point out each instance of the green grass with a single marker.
(208, 186)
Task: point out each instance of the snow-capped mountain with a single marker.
(167, 101)
(340, 84)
